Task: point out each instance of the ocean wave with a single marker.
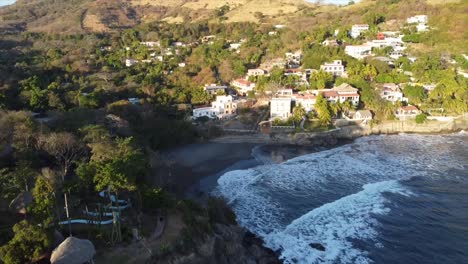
(335, 225)
(273, 200)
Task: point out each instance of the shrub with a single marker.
(421, 118)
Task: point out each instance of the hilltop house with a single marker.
(407, 112)
(359, 51)
(357, 29)
(213, 89)
(294, 58)
(417, 19)
(330, 43)
(255, 72)
(280, 107)
(336, 68)
(130, 62)
(151, 44)
(244, 86)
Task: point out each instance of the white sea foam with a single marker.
(335, 225)
(319, 197)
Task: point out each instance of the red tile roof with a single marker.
(330, 94)
(243, 81)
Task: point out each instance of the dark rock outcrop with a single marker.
(226, 245)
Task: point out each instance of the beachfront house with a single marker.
(243, 86)
(357, 29)
(280, 107)
(336, 68)
(358, 51)
(407, 112)
(307, 101)
(363, 115)
(223, 107)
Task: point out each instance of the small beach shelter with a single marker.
(73, 251)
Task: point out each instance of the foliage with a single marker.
(321, 80)
(29, 243)
(323, 110)
(415, 94)
(421, 118)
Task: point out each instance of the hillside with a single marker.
(71, 16)
(447, 18)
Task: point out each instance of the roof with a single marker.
(330, 94)
(364, 113)
(409, 108)
(350, 95)
(73, 251)
(243, 81)
(344, 87)
(306, 97)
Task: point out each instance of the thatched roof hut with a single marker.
(73, 251)
(19, 204)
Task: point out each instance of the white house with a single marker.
(359, 51)
(280, 107)
(284, 93)
(357, 29)
(294, 57)
(130, 62)
(209, 112)
(407, 112)
(255, 72)
(235, 46)
(151, 44)
(214, 88)
(363, 115)
(330, 43)
(341, 93)
(422, 28)
(392, 92)
(336, 68)
(307, 101)
(279, 26)
(347, 93)
(417, 19)
(272, 33)
(223, 106)
(244, 86)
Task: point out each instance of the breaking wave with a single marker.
(332, 197)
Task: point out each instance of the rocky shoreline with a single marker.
(350, 132)
(228, 244)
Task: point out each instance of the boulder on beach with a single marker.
(73, 251)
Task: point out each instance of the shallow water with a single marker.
(381, 199)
